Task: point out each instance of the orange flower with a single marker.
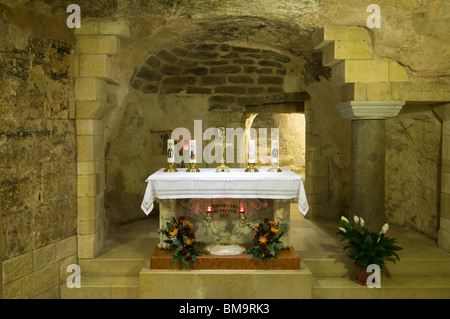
(188, 224)
(262, 240)
(174, 233)
(254, 234)
(256, 226)
(188, 242)
(175, 225)
(273, 230)
(272, 223)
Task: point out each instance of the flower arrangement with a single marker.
(181, 237)
(368, 247)
(266, 240)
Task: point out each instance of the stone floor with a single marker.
(423, 272)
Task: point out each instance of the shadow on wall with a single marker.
(122, 207)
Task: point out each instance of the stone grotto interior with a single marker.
(361, 115)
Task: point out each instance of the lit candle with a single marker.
(252, 151)
(242, 209)
(209, 209)
(193, 151)
(170, 151)
(275, 151)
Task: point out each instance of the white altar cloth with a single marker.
(234, 184)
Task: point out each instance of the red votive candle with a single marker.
(209, 209)
(242, 209)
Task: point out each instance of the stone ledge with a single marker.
(354, 110)
(225, 284)
(286, 259)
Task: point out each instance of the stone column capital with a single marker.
(369, 110)
(442, 111)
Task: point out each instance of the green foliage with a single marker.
(181, 237)
(368, 247)
(266, 240)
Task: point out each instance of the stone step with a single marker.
(103, 287)
(111, 266)
(407, 266)
(391, 288)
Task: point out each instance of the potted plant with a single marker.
(367, 247)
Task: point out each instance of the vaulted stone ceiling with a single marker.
(411, 32)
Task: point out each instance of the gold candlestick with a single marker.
(193, 168)
(170, 168)
(222, 167)
(274, 168)
(251, 168)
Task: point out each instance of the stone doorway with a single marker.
(291, 129)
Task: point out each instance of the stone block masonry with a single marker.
(232, 75)
(38, 179)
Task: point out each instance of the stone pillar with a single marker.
(367, 157)
(316, 170)
(443, 112)
(96, 43)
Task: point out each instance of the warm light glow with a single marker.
(209, 209)
(186, 145)
(242, 209)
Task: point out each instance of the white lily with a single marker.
(356, 219)
(362, 221)
(344, 219)
(342, 229)
(384, 229)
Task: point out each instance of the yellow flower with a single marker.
(188, 224)
(262, 240)
(188, 241)
(174, 233)
(272, 223)
(273, 230)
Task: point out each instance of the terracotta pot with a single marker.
(361, 275)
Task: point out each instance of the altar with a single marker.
(220, 204)
(234, 198)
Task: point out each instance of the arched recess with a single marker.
(215, 82)
(250, 47)
(212, 71)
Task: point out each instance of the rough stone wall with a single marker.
(410, 32)
(413, 169)
(292, 138)
(37, 164)
(292, 141)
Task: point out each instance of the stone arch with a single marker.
(227, 80)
